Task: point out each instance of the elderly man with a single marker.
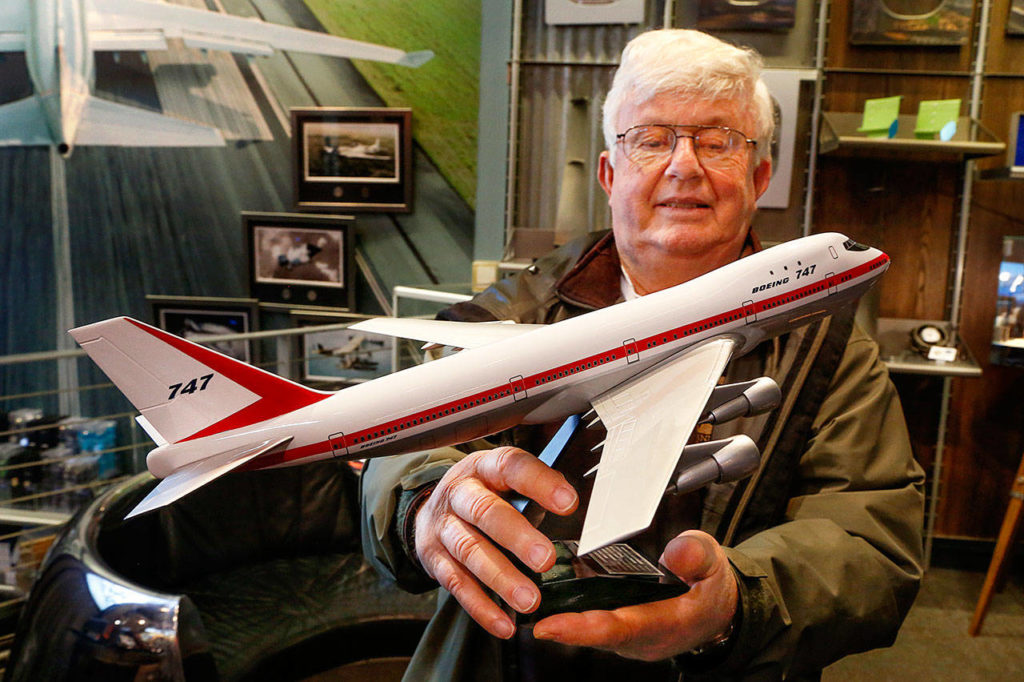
(815, 557)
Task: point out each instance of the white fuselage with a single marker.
(555, 371)
(60, 64)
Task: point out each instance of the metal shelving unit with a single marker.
(971, 140)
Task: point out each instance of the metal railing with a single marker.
(48, 471)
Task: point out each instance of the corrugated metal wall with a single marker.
(564, 73)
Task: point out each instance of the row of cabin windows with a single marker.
(574, 370)
(813, 290)
(675, 336)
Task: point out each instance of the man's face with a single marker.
(675, 208)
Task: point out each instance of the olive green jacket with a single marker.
(825, 538)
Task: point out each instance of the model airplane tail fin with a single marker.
(183, 390)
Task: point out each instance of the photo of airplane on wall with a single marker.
(349, 152)
(355, 159)
(297, 256)
(345, 357)
(299, 260)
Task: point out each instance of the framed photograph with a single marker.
(340, 356)
(910, 22)
(1015, 18)
(746, 15)
(300, 260)
(353, 159)
(197, 317)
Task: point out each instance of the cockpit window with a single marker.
(851, 245)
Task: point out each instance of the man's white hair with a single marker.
(692, 65)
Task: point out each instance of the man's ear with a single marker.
(605, 172)
(762, 176)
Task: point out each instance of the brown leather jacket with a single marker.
(825, 538)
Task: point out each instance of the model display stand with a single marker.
(605, 579)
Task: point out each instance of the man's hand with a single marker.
(456, 529)
(662, 629)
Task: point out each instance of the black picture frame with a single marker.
(192, 317)
(298, 260)
(1015, 18)
(911, 22)
(352, 159)
(746, 15)
(341, 357)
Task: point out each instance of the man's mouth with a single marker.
(683, 204)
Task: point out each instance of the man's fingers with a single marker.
(485, 561)
(602, 629)
(510, 468)
(692, 556)
(467, 591)
(647, 632)
(473, 499)
(482, 508)
(459, 526)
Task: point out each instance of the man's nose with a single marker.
(683, 161)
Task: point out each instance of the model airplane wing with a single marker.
(23, 123)
(649, 419)
(118, 24)
(444, 332)
(194, 476)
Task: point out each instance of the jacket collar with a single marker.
(594, 281)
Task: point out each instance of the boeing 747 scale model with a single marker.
(59, 37)
(648, 367)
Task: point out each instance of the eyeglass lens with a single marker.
(646, 144)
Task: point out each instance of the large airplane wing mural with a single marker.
(59, 37)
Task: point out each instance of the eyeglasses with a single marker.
(713, 145)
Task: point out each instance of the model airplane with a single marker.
(60, 36)
(649, 367)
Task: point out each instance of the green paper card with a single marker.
(881, 116)
(937, 118)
